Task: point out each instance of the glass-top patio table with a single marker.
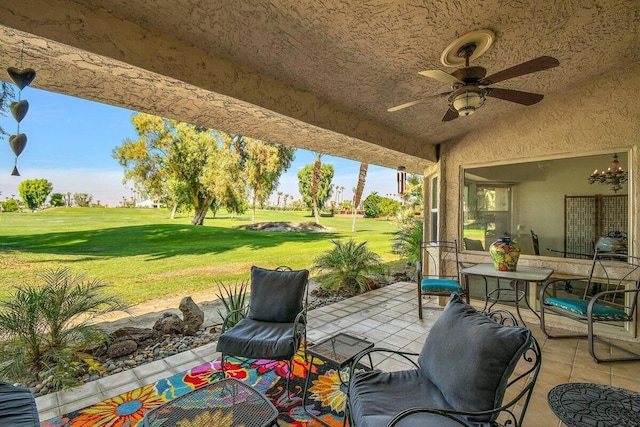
(523, 274)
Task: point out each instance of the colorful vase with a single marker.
(505, 254)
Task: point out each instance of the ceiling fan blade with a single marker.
(416, 102)
(538, 64)
(450, 115)
(524, 98)
(441, 76)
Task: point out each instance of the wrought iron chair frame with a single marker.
(451, 249)
(524, 381)
(604, 262)
(299, 328)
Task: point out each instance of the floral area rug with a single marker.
(324, 397)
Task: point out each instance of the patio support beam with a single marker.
(86, 51)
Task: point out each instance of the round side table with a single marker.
(595, 405)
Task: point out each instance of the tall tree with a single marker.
(201, 160)
(263, 164)
(357, 196)
(323, 193)
(6, 94)
(82, 199)
(314, 186)
(34, 192)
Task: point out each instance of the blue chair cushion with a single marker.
(255, 339)
(375, 397)
(448, 286)
(276, 296)
(470, 357)
(17, 407)
(579, 306)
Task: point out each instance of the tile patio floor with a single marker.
(388, 317)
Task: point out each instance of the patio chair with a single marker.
(441, 275)
(609, 297)
(275, 324)
(17, 407)
(465, 370)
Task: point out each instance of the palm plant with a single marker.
(347, 265)
(235, 301)
(49, 324)
(406, 242)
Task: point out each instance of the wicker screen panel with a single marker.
(580, 226)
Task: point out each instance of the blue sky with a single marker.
(70, 141)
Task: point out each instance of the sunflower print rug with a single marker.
(324, 397)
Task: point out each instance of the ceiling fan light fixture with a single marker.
(467, 102)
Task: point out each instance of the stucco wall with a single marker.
(596, 116)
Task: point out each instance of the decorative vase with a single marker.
(505, 254)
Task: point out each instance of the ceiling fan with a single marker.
(470, 87)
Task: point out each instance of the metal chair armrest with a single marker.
(554, 282)
(241, 311)
(442, 413)
(363, 353)
(600, 295)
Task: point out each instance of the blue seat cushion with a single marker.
(375, 397)
(470, 358)
(260, 340)
(579, 306)
(17, 407)
(448, 286)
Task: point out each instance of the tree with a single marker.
(279, 193)
(6, 94)
(263, 164)
(82, 199)
(201, 160)
(34, 192)
(371, 205)
(305, 177)
(362, 177)
(315, 178)
(57, 200)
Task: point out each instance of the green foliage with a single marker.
(376, 206)
(10, 205)
(34, 192)
(234, 299)
(57, 200)
(6, 95)
(305, 182)
(347, 265)
(45, 326)
(82, 200)
(406, 242)
(202, 161)
(372, 205)
(263, 165)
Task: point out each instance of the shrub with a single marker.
(348, 264)
(10, 205)
(234, 299)
(406, 242)
(45, 327)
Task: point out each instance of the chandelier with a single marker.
(614, 176)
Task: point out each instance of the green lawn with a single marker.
(144, 255)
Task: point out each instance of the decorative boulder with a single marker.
(122, 348)
(169, 324)
(192, 316)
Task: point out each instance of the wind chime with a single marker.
(22, 77)
(401, 177)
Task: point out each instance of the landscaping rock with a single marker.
(169, 324)
(122, 348)
(192, 316)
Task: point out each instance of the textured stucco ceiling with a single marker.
(317, 75)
